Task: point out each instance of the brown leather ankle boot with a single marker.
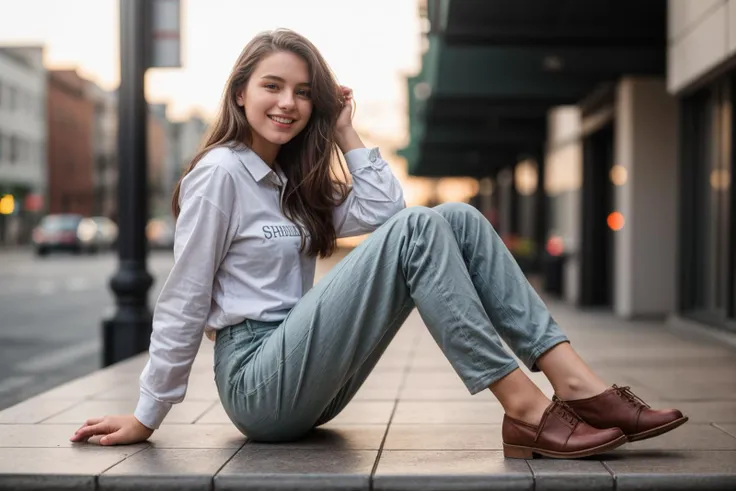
(618, 407)
(560, 434)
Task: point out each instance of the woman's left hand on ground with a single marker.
(115, 430)
(345, 119)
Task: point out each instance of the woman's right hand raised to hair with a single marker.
(116, 430)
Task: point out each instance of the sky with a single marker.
(371, 45)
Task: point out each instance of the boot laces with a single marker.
(566, 412)
(625, 393)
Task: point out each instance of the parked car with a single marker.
(64, 232)
(106, 235)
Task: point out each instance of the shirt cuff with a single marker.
(362, 157)
(150, 412)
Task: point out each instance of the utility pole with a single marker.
(144, 43)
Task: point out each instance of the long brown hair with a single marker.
(313, 186)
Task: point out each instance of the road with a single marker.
(51, 312)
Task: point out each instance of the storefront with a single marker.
(707, 289)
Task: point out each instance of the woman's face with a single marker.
(277, 100)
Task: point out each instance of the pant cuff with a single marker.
(542, 348)
(481, 383)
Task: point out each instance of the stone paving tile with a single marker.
(673, 470)
(386, 379)
(448, 412)
(435, 379)
(701, 411)
(570, 475)
(197, 436)
(334, 437)
(38, 436)
(214, 415)
(377, 394)
(443, 437)
(186, 412)
(450, 470)
(35, 410)
(687, 383)
(365, 412)
(91, 384)
(439, 436)
(166, 469)
(357, 412)
(203, 361)
(658, 354)
(728, 428)
(690, 436)
(456, 394)
(58, 468)
(201, 387)
(285, 468)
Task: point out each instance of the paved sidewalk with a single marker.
(412, 426)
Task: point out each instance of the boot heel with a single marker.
(514, 452)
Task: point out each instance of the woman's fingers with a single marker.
(85, 432)
(115, 438)
(347, 92)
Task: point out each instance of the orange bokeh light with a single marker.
(615, 221)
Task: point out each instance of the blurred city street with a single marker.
(52, 310)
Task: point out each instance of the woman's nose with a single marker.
(286, 101)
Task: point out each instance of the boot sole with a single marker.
(522, 452)
(659, 430)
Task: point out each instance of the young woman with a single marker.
(255, 209)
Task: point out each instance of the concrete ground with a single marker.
(412, 426)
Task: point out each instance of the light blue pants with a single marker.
(279, 380)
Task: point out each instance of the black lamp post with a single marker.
(128, 331)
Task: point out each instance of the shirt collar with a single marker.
(257, 168)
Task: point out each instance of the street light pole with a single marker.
(128, 332)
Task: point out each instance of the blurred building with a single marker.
(601, 135)
(23, 136)
(160, 155)
(71, 167)
(188, 138)
(104, 150)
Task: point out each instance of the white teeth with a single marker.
(281, 120)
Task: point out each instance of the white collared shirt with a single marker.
(236, 257)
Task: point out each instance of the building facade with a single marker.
(104, 150)
(23, 137)
(71, 116)
(160, 155)
(605, 132)
(188, 138)
(701, 76)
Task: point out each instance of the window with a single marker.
(708, 279)
(12, 99)
(14, 149)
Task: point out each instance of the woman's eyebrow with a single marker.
(279, 79)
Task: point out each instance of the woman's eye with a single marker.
(271, 86)
(303, 93)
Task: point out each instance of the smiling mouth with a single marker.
(281, 120)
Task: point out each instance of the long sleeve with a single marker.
(375, 197)
(204, 231)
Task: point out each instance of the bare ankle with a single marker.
(530, 412)
(579, 388)
(520, 398)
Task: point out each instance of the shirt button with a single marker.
(373, 155)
